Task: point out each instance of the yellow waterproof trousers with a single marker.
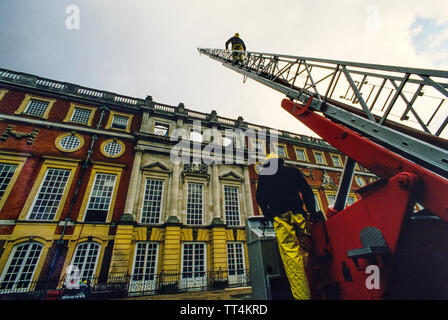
(237, 57)
(292, 235)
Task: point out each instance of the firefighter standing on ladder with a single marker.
(278, 197)
(237, 45)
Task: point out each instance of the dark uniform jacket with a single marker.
(235, 40)
(279, 193)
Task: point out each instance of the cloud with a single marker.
(141, 47)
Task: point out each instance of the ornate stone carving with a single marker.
(9, 131)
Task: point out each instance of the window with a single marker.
(161, 129)
(145, 262)
(281, 151)
(152, 201)
(317, 201)
(195, 136)
(336, 160)
(80, 114)
(112, 148)
(331, 199)
(320, 159)
(69, 142)
(360, 181)
(194, 203)
(193, 261)
(48, 199)
(35, 106)
(235, 261)
(119, 121)
(85, 259)
(350, 200)
(6, 173)
(100, 197)
(258, 147)
(231, 206)
(301, 154)
(20, 268)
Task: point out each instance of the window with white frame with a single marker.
(113, 148)
(195, 195)
(281, 151)
(258, 147)
(36, 107)
(331, 199)
(360, 181)
(152, 201)
(145, 262)
(46, 203)
(161, 129)
(319, 157)
(70, 142)
(193, 260)
(316, 200)
(81, 115)
(85, 259)
(6, 172)
(19, 270)
(120, 122)
(235, 258)
(336, 161)
(301, 156)
(231, 206)
(100, 197)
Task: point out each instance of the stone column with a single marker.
(133, 185)
(247, 193)
(175, 189)
(215, 188)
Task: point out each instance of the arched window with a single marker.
(85, 259)
(20, 268)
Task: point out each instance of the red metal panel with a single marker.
(377, 159)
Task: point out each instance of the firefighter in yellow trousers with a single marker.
(236, 44)
(281, 193)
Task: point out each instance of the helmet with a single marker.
(272, 155)
(237, 34)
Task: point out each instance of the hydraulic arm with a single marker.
(391, 120)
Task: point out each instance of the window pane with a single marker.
(6, 173)
(120, 122)
(194, 203)
(50, 194)
(112, 148)
(152, 201)
(281, 151)
(235, 258)
(161, 129)
(232, 210)
(70, 142)
(19, 272)
(145, 265)
(193, 260)
(100, 197)
(81, 115)
(36, 107)
(85, 259)
(336, 161)
(319, 158)
(300, 155)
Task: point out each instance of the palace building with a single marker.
(138, 196)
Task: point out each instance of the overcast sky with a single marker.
(145, 47)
